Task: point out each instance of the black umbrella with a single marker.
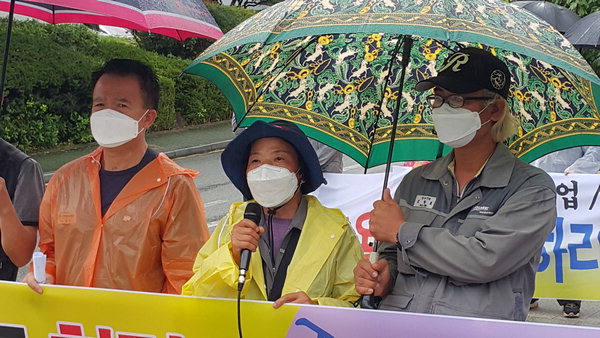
(557, 16)
(585, 33)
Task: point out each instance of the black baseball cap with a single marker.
(469, 70)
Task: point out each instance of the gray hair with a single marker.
(507, 125)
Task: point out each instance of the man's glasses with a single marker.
(454, 101)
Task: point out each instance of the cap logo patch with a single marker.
(455, 61)
(498, 79)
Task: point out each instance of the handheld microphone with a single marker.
(254, 213)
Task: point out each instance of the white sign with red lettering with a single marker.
(354, 194)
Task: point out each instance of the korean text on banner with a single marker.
(569, 268)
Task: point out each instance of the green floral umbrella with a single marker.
(333, 67)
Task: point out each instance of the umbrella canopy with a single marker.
(558, 16)
(585, 33)
(179, 19)
(332, 67)
(57, 14)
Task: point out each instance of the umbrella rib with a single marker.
(448, 47)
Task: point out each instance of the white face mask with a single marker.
(272, 186)
(112, 129)
(456, 127)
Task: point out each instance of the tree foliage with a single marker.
(48, 91)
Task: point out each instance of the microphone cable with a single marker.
(239, 313)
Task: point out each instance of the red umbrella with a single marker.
(179, 19)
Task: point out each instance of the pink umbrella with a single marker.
(179, 19)
(58, 14)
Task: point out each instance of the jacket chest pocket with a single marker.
(422, 216)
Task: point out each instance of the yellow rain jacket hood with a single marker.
(322, 265)
(147, 239)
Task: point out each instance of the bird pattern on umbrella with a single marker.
(342, 89)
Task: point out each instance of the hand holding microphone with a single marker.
(245, 237)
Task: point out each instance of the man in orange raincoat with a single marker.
(122, 217)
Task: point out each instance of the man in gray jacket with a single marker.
(463, 235)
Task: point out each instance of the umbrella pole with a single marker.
(11, 14)
(406, 48)
(368, 301)
(387, 82)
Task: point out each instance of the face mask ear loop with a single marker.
(299, 179)
(144, 114)
(484, 108)
(138, 121)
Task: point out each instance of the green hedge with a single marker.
(48, 93)
(167, 116)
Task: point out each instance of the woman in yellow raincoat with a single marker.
(303, 251)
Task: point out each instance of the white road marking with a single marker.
(213, 203)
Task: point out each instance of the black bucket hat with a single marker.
(469, 70)
(234, 158)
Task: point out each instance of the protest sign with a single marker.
(569, 268)
(71, 312)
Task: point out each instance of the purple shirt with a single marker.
(281, 227)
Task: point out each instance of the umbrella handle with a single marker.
(370, 301)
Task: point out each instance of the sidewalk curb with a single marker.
(173, 154)
(195, 150)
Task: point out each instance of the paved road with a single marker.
(214, 186)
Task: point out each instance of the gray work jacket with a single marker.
(472, 256)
